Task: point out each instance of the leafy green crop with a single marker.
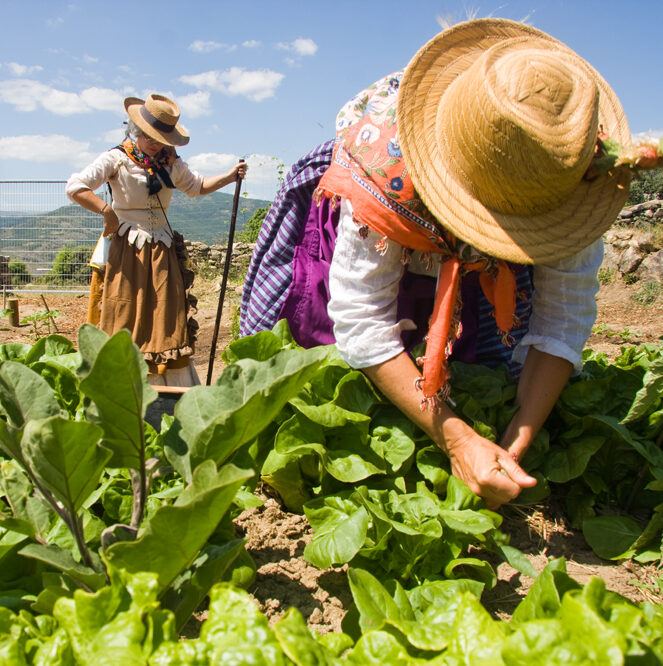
(368, 480)
(441, 622)
(86, 486)
(111, 534)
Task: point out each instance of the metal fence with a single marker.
(46, 241)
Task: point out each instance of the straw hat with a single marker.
(157, 116)
(498, 123)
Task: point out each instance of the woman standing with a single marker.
(142, 287)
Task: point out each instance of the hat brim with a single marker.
(581, 219)
(177, 137)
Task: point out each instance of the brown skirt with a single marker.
(143, 292)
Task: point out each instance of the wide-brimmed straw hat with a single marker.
(498, 123)
(157, 116)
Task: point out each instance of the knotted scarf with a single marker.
(154, 166)
(368, 169)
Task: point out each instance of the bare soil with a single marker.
(276, 538)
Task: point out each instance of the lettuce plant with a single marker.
(73, 430)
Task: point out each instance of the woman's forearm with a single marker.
(541, 381)
(396, 378)
(214, 183)
(90, 201)
(485, 467)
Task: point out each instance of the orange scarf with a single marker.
(368, 169)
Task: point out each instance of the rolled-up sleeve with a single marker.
(564, 306)
(94, 175)
(185, 179)
(363, 287)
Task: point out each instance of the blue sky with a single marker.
(260, 79)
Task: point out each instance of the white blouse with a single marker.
(364, 282)
(140, 214)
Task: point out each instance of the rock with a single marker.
(610, 257)
(630, 259)
(651, 268)
(626, 248)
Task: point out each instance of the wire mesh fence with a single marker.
(46, 241)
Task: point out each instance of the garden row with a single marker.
(112, 533)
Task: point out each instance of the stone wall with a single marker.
(630, 248)
(213, 257)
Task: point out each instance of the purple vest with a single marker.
(288, 278)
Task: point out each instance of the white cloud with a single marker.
(29, 95)
(45, 148)
(251, 43)
(200, 46)
(304, 47)
(54, 22)
(195, 105)
(63, 103)
(103, 99)
(210, 164)
(90, 59)
(301, 46)
(649, 134)
(255, 85)
(23, 70)
(262, 178)
(264, 168)
(113, 137)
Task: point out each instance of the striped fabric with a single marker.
(491, 351)
(270, 271)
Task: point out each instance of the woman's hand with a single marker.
(541, 382)
(213, 183)
(487, 469)
(111, 221)
(240, 170)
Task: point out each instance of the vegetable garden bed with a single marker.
(114, 532)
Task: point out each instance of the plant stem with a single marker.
(139, 484)
(77, 530)
(50, 316)
(71, 520)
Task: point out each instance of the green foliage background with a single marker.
(646, 186)
(252, 228)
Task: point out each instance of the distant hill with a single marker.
(36, 239)
(207, 219)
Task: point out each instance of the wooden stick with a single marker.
(224, 279)
(51, 317)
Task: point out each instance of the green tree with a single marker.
(72, 264)
(18, 271)
(250, 232)
(647, 185)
